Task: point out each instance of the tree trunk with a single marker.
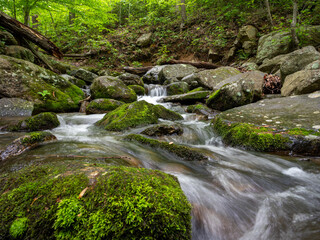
(266, 2)
(14, 9)
(295, 39)
(183, 13)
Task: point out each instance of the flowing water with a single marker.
(235, 195)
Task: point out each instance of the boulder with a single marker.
(136, 114)
(47, 90)
(247, 33)
(250, 66)
(188, 98)
(144, 40)
(298, 60)
(170, 80)
(19, 52)
(138, 89)
(313, 66)
(302, 82)
(15, 107)
(102, 105)
(83, 200)
(200, 109)
(7, 38)
(25, 143)
(273, 65)
(111, 87)
(76, 81)
(152, 76)
(177, 88)
(131, 79)
(178, 71)
(162, 130)
(192, 80)
(181, 151)
(210, 78)
(236, 91)
(278, 124)
(84, 75)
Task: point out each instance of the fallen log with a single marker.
(137, 70)
(205, 65)
(82, 55)
(20, 30)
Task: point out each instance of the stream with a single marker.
(237, 194)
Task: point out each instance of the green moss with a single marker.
(183, 152)
(18, 227)
(36, 137)
(197, 90)
(196, 108)
(102, 105)
(302, 132)
(139, 90)
(250, 136)
(123, 203)
(213, 96)
(136, 114)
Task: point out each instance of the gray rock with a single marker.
(19, 52)
(273, 65)
(170, 80)
(250, 66)
(7, 38)
(302, 82)
(84, 75)
(76, 81)
(188, 98)
(178, 71)
(15, 107)
(152, 76)
(162, 130)
(298, 60)
(210, 78)
(247, 33)
(313, 66)
(144, 40)
(131, 79)
(177, 88)
(192, 80)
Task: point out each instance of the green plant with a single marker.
(242, 54)
(18, 227)
(44, 94)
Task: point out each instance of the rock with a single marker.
(188, 98)
(20, 52)
(47, 90)
(178, 71)
(39, 122)
(170, 80)
(76, 81)
(152, 76)
(136, 114)
(7, 38)
(27, 142)
(273, 65)
(200, 109)
(102, 105)
(144, 40)
(247, 33)
(298, 60)
(177, 88)
(197, 90)
(138, 89)
(131, 79)
(210, 78)
(62, 67)
(302, 82)
(279, 124)
(249, 47)
(111, 87)
(250, 66)
(84, 75)
(236, 91)
(83, 201)
(313, 66)
(83, 107)
(15, 107)
(192, 80)
(181, 151)
(162, 129)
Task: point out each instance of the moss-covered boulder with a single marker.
(84, 75)
(131, 79)
(47, 90)
(200, 109)
(39, 122)
(77, 200)
(178, 71)
(152, 76)
(162, 130)
(188, 98)
(7, 38)
(139, 90)
(102, 105)
(184, 152)
(76, 81)
(111, 87)
(25, 143)
(19, 52)
(136, 114)
(177, 88)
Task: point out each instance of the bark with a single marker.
(266, 2)
(183, 11)
(295, 39)
(22, 31)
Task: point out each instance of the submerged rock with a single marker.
(136, 114)
(79, 200)
(15, 107)
(181, 151)
(102, 105)
(25, 143)
(162, 129)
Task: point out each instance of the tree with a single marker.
(266, 2)
(183, 13)
(295, 39)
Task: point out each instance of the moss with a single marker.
(136, 114)
(196, 108)
(213, 96)
(183, 152)
(250, 136)
(102, 105)
(35, 137)
(18, 227)
(302, 132)
(139, 90)
(197, 90)
(123, 203)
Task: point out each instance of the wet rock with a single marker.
(302, 82)
(84, 75)
(136, 114)
(162, 129)
(181, 151)
(111, 87)
(20, 52)
(47, 90)
(131, 79)
(210, 78)
(144, 40)
(200, 109)
(152, 76)
(76, 81)
(15, 107)
(138, 89)
(178, 71)
(171, 80)
(83, 107)
(102, 105)
(188, 98)
(25, 143)
(7, 38)
(177, 88)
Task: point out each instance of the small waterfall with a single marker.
(157, 90)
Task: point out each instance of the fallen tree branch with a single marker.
(137, 70)
(81, 55)
(205, 65)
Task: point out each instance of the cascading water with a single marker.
(235, 195)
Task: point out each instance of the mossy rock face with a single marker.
(177, 88)
(200, 109)
(102, 105)
(84, 75)
(162, 129)
(39, 122)
(75, 200)
(139, 90)
(198, 89)
(25, 143)
(184, 152)
(76, 81)
(189, 98)
(20, 52)
(22, 79)
(131, 79)
(136, 114)
(111, 87)
(7, 38)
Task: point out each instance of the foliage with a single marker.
(44, 94)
